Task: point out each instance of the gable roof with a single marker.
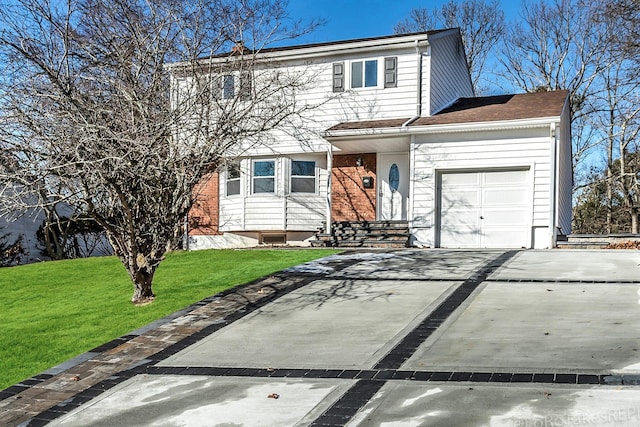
(480, 109)
(240, 52)
(373, 41)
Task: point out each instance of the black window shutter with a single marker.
(245, 86)
(391, 71)
(338, 76)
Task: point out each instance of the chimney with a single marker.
(238, 47)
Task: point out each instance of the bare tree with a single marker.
(624, 16)
(419, 19)
(558, 45)
(481, 24)
(615, 117)
(578, 46)
(88, 117)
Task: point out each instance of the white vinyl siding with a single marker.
(264, 213)
(449, 76)
(442, 83)
(362, 104)
(565, 174)
(279, 210)
(306, 211)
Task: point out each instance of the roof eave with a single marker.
(368, 45)
(487, 125)
(331, 135)
(442, 128)
(323, 49)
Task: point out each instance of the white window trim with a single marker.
(238, 78)
(316, 177)
(379, 69)
(227, 180)
(274, 176)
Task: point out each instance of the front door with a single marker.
(393, 191)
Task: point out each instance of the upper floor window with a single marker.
(233, 85)
(364, 74)
(233, 179)
(303, 176)
(264, 174)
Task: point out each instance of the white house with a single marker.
(399, 140)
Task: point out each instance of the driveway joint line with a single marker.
(566, 281)
(411, 341)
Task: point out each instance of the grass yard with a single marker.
(53, 311)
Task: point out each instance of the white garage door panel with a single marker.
(461, 237)
(505, 238)
(506, 217)
(462, 179)
(468, 217)
(502, 177)
(488, 209)
(504, 196)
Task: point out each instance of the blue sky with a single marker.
(353, 19)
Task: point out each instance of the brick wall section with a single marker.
(350, 201)
(204, 214)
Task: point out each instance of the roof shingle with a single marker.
(479, 109)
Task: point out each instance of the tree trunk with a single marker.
(609, 199)
(142, 290)
(634, 221)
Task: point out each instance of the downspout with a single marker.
(329, 174)
(553, 197)
(557, 141)
(418, 86)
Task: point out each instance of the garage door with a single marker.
(487, 209)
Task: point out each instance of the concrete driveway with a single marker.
(400, 338)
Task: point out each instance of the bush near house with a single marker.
(55, 310)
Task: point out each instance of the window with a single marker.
(264, 173)
(238, 84)
(233, 179)
(364, 74)
(303, 176)
(228, 86)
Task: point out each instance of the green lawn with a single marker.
(53, 311)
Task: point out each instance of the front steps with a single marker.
(364, 234)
